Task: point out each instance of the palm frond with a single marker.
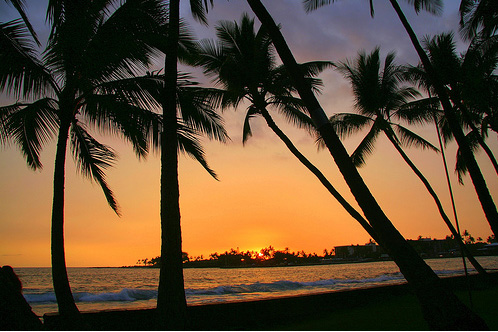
(311, 5)
(315, 68)
(409, 138)
(187, 44)
(418, 76)
(294, 111)
(128, 33)
(478, 17)
(442, 53)
(372, 11)
(21, 73)
(5, 113)
(20, 6)
(364, 75)
(188, 142)
(197, 107)
(460, 167)
(199, 9)
(141, 91)
(420, 111)
(431, 6)
(30, 126)
(246, 130)
(210, 57)
(346, 124)
(366, 147)
(137, 125)
(92, 159)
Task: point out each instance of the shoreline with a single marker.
(269, 314)
(239, 267)
(208, 264)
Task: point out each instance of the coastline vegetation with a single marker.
(269, 256)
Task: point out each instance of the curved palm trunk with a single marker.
(441, 308)
(480, 186)
(62, 289)
(443, 214)
(292, 148)
(171, 302)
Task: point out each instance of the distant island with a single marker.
(271, 257)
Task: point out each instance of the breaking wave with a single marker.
(125, 295)
(129, 295)
(281, 287)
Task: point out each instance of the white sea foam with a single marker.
(211, 291)
(125, 295)
(286, 285)
(40, 298)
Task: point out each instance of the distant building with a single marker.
(427, 247)
(369, 250)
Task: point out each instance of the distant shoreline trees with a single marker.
(270, 256)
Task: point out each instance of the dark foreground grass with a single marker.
(401, 312)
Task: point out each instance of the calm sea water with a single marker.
(119, 288)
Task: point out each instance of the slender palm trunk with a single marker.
(62, 289)
(453, 205)
(171, 302)
(441, 308)
(480, 186)
(312, 168)
(443, 214)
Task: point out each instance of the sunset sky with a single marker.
(264, 196)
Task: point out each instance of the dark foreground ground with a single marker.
(379, 308)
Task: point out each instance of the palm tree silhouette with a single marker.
(86, 79)
(470, 82)
(171, 301)
(451, 116)
(243, 62)
(450, 113)
(379, 97)
(441, 308)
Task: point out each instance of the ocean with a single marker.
(133, 288)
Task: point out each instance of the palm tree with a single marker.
(441, 308)
(478, 17)
(379, 98)
(243, 62)
(435, 6)
(471, 85)
(86, 79)
(171, 302)
(451, 116)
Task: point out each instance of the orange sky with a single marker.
(264, 196)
